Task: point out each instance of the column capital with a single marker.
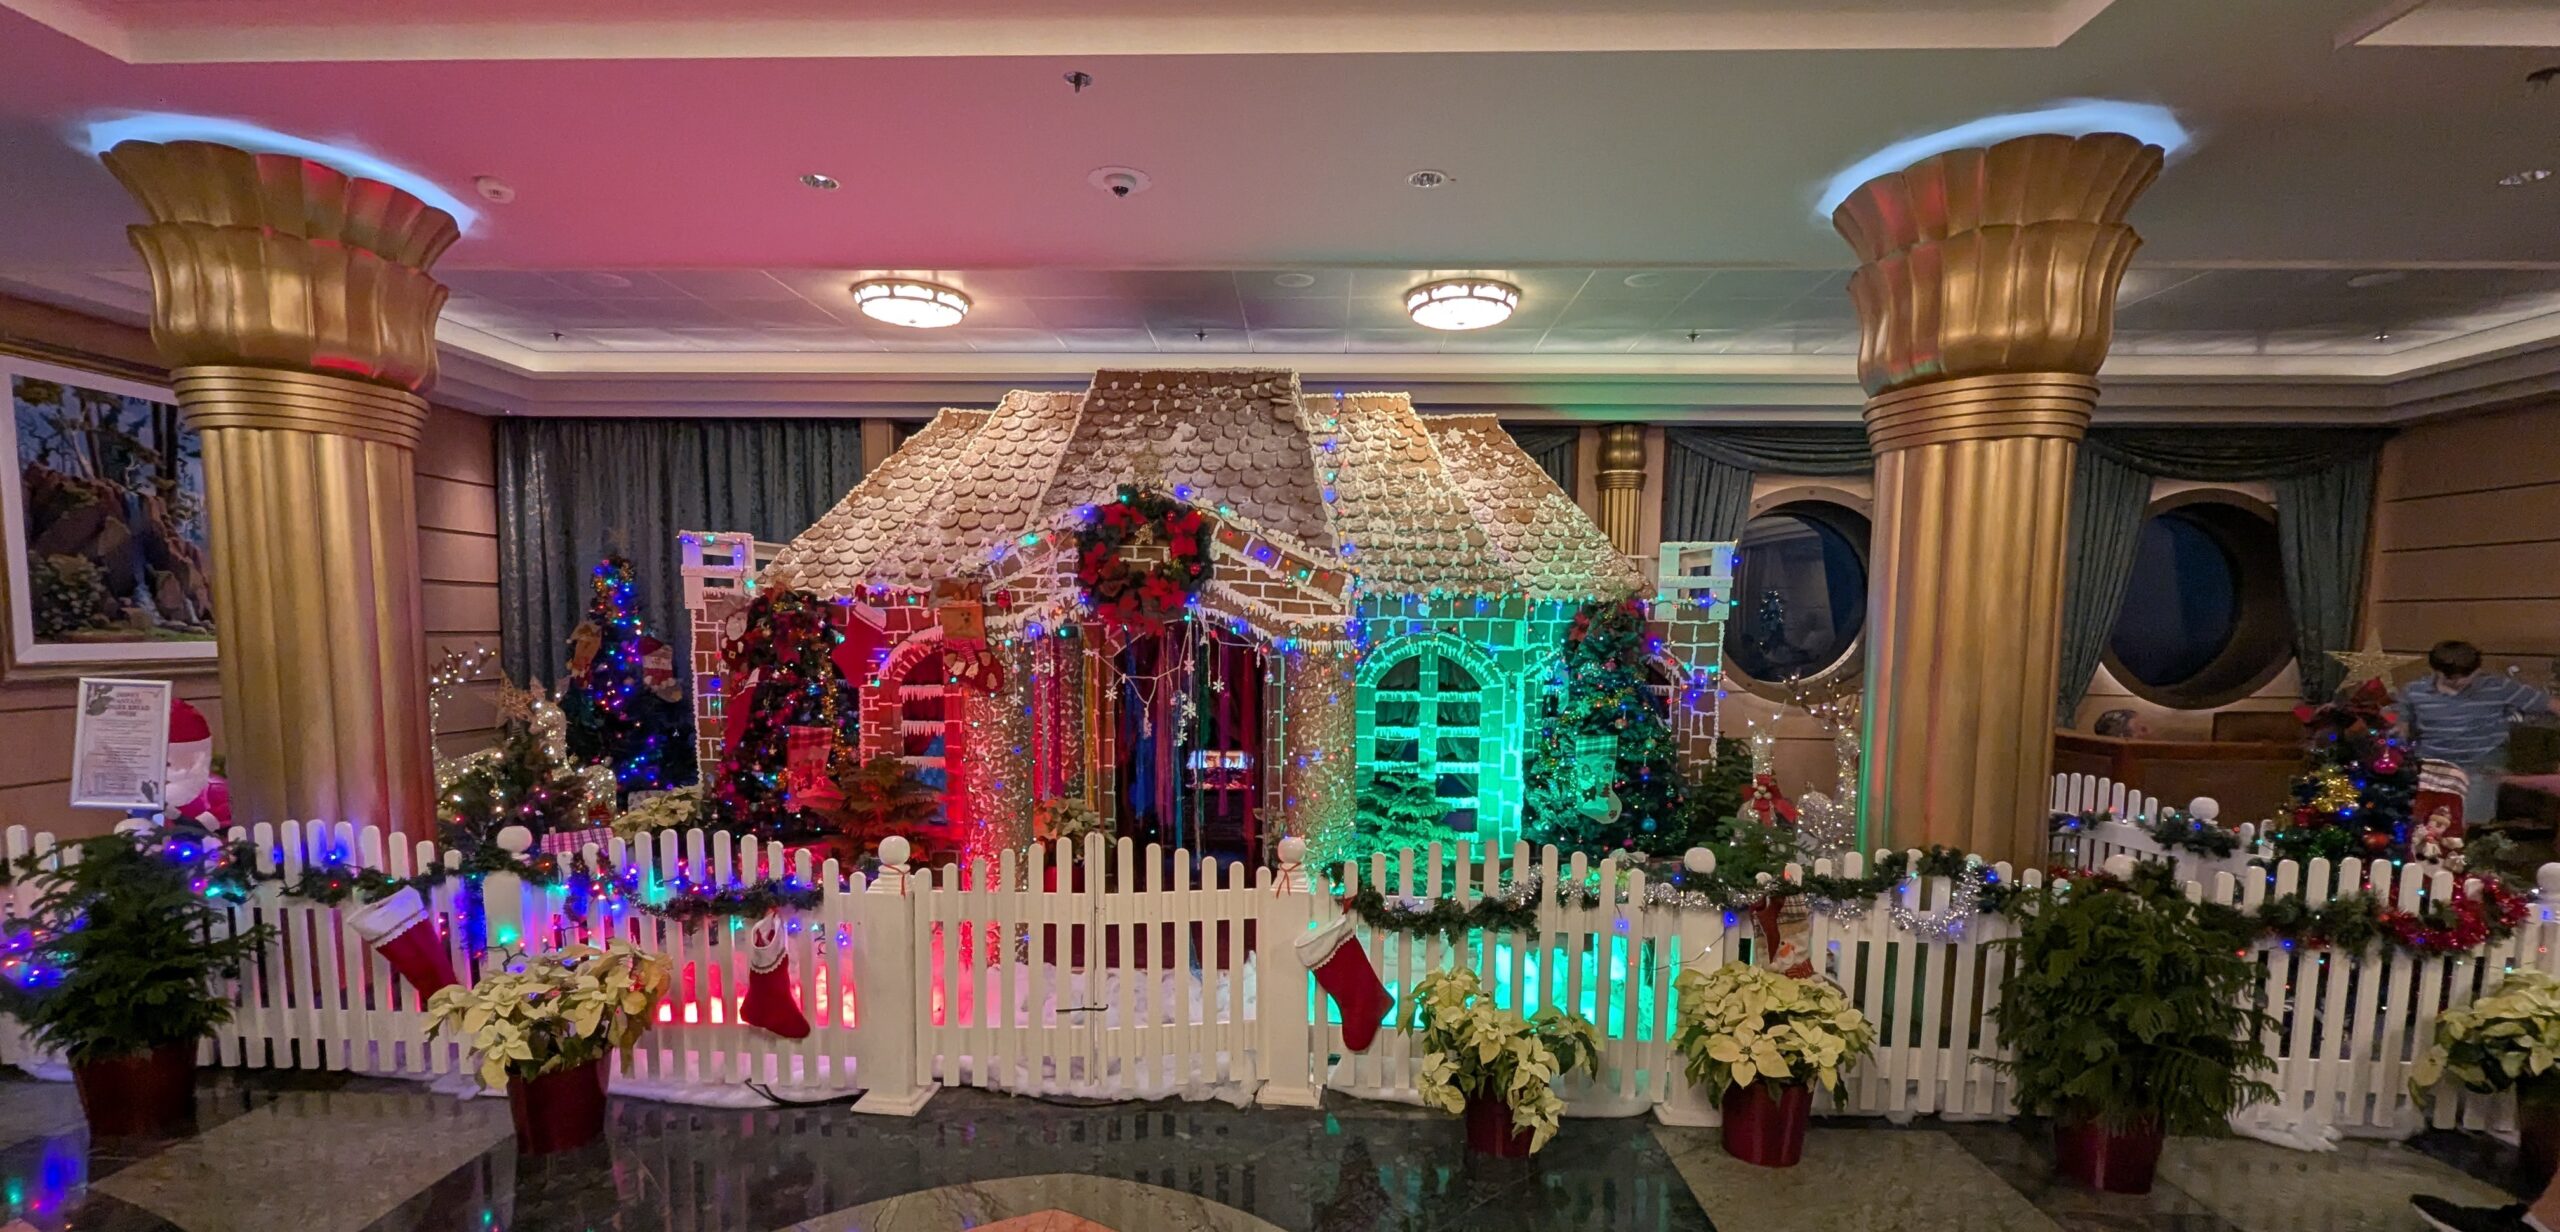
(1996, 260)
(268, 261)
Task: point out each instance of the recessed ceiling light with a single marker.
(1646, 278)
(2376, 278)
(1293, 279)
(493, 190)
(1428, 178)
(2530, 175)
(1461, 303)
(2382, 335)
(916, 305)
(820, 182)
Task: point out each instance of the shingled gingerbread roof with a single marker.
(1404, 503)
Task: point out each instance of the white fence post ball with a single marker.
(894, 851)
(1293, 851)
(2547, 882)
(1699, 860)
(516, 840)
(2204, 809)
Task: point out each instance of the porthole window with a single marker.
(2204, 621)
(1800, 592)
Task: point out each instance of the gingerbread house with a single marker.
(1201, 602)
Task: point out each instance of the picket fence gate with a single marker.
(1123, 972)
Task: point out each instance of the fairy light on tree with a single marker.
(624, 703)
(783, 674)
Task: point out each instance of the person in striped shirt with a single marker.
(2455, 714)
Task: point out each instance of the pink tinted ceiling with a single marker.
(2310, 154)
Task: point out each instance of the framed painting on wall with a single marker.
(109, 556)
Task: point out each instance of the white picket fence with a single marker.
(1147, 974)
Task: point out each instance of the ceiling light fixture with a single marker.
(822, 183)
(2530, 175)
(2376, 278)
(1461, 303)
(915, 305)
(1429, 178)
(1294, 280)
(2149, 123)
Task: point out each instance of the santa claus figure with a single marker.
(194, 790)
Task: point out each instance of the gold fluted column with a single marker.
(294, 308)
(1986, 296)
(1621, 471)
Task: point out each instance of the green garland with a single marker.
(2172, 830)
(2350, 922)
(230, 873)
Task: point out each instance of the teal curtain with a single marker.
(2323, 480)
(1553, 447)
(572, 490)
(2107, 503)
(1707, 472)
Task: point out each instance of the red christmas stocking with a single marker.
(398, 929)
(769, 1003)
(1343, 971)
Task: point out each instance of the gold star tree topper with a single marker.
(2372, 662)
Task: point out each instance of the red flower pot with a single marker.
(1489, 1129)
(1764, 1122)
(2112, 1161)
(559, 1111)
(150, 1094)
(2538, 1130)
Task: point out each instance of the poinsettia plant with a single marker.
(2507, 1038)
(542, 1013)
(1741, 1024)
(1475, 1049)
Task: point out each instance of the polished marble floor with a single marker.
(330, 1153)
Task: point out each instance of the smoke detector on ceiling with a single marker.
(1122, 182)
(1429, 178)
(493, 190)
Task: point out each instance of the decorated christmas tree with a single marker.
(882, 797)
(2357, 783)
(1397, 808)
(1603, 772)
(624, 703)
(525, 781)
(782, 674)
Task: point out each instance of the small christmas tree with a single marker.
(1397, 808)
(624, 703)
(784, 673)
(883, 797)
(1606, 736)
(2357, 784)
(524, 781)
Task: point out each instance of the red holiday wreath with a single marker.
(1146, 596)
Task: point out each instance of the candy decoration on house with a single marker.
(197, 792)
(1211, 601)
(1341, 966)
(401, 929)
(2357, 784)
(781, 674)
(623, 701)
(770, 1003)
(1602, 696)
